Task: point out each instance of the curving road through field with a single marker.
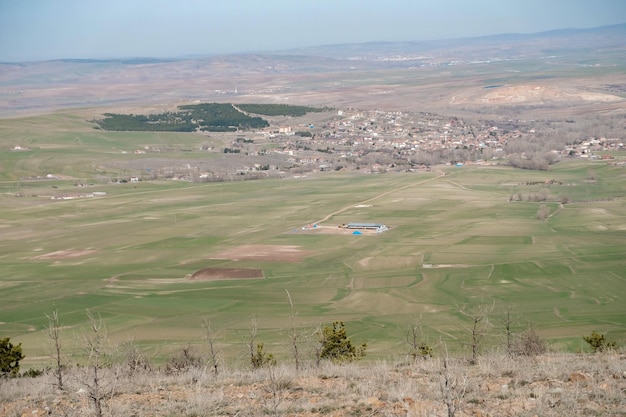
(328, 216)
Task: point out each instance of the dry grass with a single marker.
(548, 385)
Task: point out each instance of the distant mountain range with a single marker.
(505, 45)
(497, 46)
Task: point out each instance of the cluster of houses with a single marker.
(378, 141)
(401, 139)
(371, 141)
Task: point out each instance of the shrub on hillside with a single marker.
(529, 343)
(336, 346)
(10, 357)
(598, 343)
(260, 358)
(185, 359)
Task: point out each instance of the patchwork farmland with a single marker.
(154, 258)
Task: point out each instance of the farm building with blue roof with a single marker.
(377, 227)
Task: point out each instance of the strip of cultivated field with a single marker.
(454, 241)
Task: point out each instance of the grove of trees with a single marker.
(212, 117)
(280, 109)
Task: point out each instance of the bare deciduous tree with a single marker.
(507, 324)
(94, 343)
(543, 212)
(317, 345)
(529, 343)
(418, 348)
(251, 342)
(258, 357)
(135, 360)
(453, 388)
(187, 358)
(277, 382)
(54, 334)
(293, 336)
(214, 352)
(479, 326)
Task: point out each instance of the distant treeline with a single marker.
(211, 117)
(280, 109)
(222, 117)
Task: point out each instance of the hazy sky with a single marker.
(51, 29)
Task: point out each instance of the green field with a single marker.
(454, 240)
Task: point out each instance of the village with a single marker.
(372, 141)
(379, 141)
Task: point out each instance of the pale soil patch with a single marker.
(539, 93)
(211, 274)
(367, 302)
(390, 262)
(558, 314)
(275, 253)
(383, 283)
(116, 221)
(365, 262)
(52, 146)
(529, 93)
(445, 266)
(65, 254)
(168, 200)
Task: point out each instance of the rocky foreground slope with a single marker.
(549, 385)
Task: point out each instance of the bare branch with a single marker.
(294, 333)
(209, 336)
(54, 334)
